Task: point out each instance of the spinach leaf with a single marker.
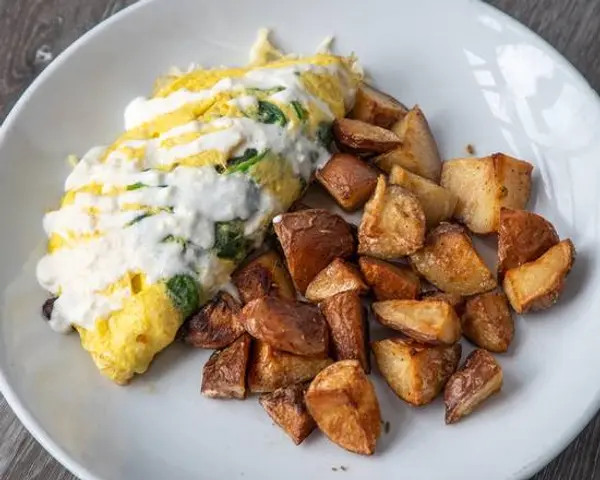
(173, 238)
(301, 113)
(266, 91)
(185, 293)
(230, 242)
(244, 162)
(325, 134)
(270, 113)
(180, 240)
(135, 186)
(139, 218)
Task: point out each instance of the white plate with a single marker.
(480, 77)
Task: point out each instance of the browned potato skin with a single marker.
(450, 262)
(310, 240)
(522, 237)
(337, 277)
(548, 273)
(485, 185)
(359, 137)
(345, 316)
(419, 151)
(416, 373)
(389, 281)
(438, 203)
(287, 408)
(348, 179)
(271, 369)
(487, 322)
(427, 321)
(224, 375)
(342, 401)
(375, 107)
(473, 383)
(457, 301)
(393, 224)
(293, 327)
(264, 275)
(216, 325)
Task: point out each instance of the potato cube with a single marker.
(450, 262)
(427, 321)
(339, 276)
(271, 369)
(483, 186)
(310, 240)
(473, 383)
(342, 401)
(377, 108)
(348, 179)
(522, 237)
(438, 203)
(224, 375)
(293, 327)
(287, 408)
(264, 275)
(389, 281)
(487, 322)
(393, 224)
(418, 152)
(537, 285)
(358, 137)
(216, 325)
(345, 316)
(416, 373)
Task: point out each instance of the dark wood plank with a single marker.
(33, 32)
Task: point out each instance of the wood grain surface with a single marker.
(33, 32)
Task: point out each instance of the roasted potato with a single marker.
(348, 179)
(264, 275)
(358, 137)
(416, 373)
(522, 237)
(393, 223)
(375, 107)
(216, 325)
(457, 301)
(438, 203)
(345, 316)
(342, 401)
(487, 322)
(485, 185)
(427, 321)
(287, 408)
(418, 152)
(389, 281)
(339, 276)
(293, 327)
(271, 369)
(310, 240)
(450, 262)
(536, 285)
(224, 375)
(474, 382)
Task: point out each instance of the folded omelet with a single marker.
(151, 226)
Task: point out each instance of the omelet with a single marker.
(152, 226)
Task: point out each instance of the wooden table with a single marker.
(32, 32)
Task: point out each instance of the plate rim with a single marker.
(81, 471)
